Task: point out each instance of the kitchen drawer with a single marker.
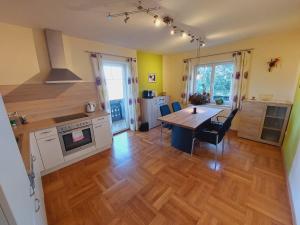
(100, 120)
(45, 133)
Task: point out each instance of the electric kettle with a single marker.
(90, 107)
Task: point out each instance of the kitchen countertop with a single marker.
(22, 133)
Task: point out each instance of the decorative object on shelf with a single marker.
(157, 21)
(219, 101)
(200, 99)
(152, 77)
(273, 63)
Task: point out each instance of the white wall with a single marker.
(294, 181)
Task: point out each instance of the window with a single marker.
(215, 79)
(114, 76)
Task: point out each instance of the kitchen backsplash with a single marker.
(41, 101)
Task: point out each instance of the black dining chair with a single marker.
(230, 117)
(176, 106)
(165, 110)
(213, 133)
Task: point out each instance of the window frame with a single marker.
(212, 79)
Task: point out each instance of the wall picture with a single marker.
(151, 77)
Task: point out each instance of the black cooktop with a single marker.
(69, 117)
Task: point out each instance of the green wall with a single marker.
(293, 132)
(149, 63)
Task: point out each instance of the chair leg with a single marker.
(216, 153)
(161, 131)
(193, 145)
(223, 143)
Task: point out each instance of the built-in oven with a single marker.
(76, 136)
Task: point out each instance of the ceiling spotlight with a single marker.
(183, 34)
(126, 18)
(109, 17)
(202, 43)
(156, 20)
(172, 31)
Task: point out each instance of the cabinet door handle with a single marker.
(50, 139)
(98, 126)
(45, 132)
(37, 205)
(33, 158)
(32, 191)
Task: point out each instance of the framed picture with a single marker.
(151, 77)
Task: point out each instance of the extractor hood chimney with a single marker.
(59, 72)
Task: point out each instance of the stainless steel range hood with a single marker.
(59, 72)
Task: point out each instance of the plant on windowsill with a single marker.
(200, 99)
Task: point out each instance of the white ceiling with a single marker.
(220, 21)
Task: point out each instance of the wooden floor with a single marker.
(142, 181)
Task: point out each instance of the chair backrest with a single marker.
(231, 116)
(164, 110)
(176, 106)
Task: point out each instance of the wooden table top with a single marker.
(185, 118)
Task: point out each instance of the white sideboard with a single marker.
(151, 111)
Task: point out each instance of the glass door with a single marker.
(115, 74)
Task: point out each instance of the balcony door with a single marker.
(115, 74)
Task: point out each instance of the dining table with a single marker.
(186, 122)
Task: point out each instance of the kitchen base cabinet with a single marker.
(51, 152)
(102, 132)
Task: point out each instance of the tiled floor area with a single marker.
(142, 181)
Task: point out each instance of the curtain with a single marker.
(97, 64)
(242, 66)
(134, 101)
(187, 82)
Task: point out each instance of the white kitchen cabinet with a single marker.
(35, 152)
(151, 109)
(37, 193)
(102, 132)
(51, 152)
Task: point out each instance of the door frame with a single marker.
(124, 65)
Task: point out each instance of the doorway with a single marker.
(115, 75)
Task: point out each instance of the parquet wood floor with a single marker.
(142, 181)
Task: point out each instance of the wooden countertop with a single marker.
(22, 133)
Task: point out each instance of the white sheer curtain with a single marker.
(134, 110)
(97, 64)
(187, 82)
(242, 62)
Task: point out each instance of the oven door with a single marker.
(70, 145)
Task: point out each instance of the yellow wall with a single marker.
(149, 63)
(24, 56)
(281, 82)
(18, 58)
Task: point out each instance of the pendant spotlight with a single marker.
(157, 22)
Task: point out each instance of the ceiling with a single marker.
(219, 21)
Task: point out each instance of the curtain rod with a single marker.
(101, 53)
(221, 53)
